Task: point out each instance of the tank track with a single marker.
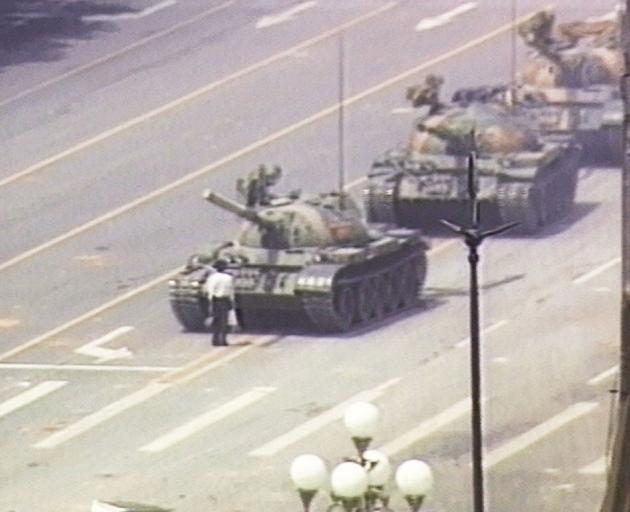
(189, 306)
(549, 198)
(190, 314)
(375, 294)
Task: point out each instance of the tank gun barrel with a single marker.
(237, 209)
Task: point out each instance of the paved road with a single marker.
(93, 217)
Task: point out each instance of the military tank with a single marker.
(522, 176)
(306, 257)
(570, 84)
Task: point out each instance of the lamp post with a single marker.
(473, 237)
(359, 484)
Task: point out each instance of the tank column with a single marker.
(473, 237)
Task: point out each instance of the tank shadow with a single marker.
(427, 303)
(579, 211)
(437, 293)
(41, 30)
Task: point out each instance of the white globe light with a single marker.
(349, 480)
(361, 420)
(379, 469)
(414, 478)
(308, 472)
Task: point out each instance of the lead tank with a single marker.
(306, 257)
(570, 84)
(522, 177)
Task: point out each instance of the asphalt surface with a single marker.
(107, 145)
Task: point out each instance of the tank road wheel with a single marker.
(613, 145)
(345, 307)
(366, 296)
(397, 279)
(381, 294)
(411, 284)
(388, 295)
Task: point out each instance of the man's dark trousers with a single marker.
(220, 308)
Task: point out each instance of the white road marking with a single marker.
(500, 360)
(201, 422)
(84, 367)
(403, 110)
(410, 72)
(596, 271)
(597, 467)
(90, 314)
(530, 437)
(444, 18)
(189, 372)
(487, 330)
(131, 15)
(441, 247)
(233, 156)
(93, 420)
(355, 183)
(314, 424)
(95, 348)
(30, 395)
(427, 428)
(108, 57)
(193, 95)
(605, 375)
(8, 323)
(281, 17)
(602, 289)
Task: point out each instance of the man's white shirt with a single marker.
(220, 285)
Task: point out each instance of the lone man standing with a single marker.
(220, 290)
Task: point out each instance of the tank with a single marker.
(310, 259)
(570, 83)
(522, 176)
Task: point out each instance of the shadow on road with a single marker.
(41, 30)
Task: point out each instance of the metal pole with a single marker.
(342, 171)
(475, 381)
(473, 237)
(617, 498)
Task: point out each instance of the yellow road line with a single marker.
(254, 146)
(189, 97)
(111, 56)
(185, 179)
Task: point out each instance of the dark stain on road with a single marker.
(41, 30)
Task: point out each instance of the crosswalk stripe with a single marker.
(106, 413)
(528, 438)
(597, 467)
(199, 423)
(314, 424)
(30, 395)
(427, 427)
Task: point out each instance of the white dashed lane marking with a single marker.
(427, 427)
(108, 412)
(314, 424)
(596, 271)
(30, 396)
(205, 420)
(525, 440)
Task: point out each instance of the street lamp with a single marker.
(359, 484)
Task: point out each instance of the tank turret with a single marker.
(585, 53)
(523, 176)
(573, 79)
(307, 258)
